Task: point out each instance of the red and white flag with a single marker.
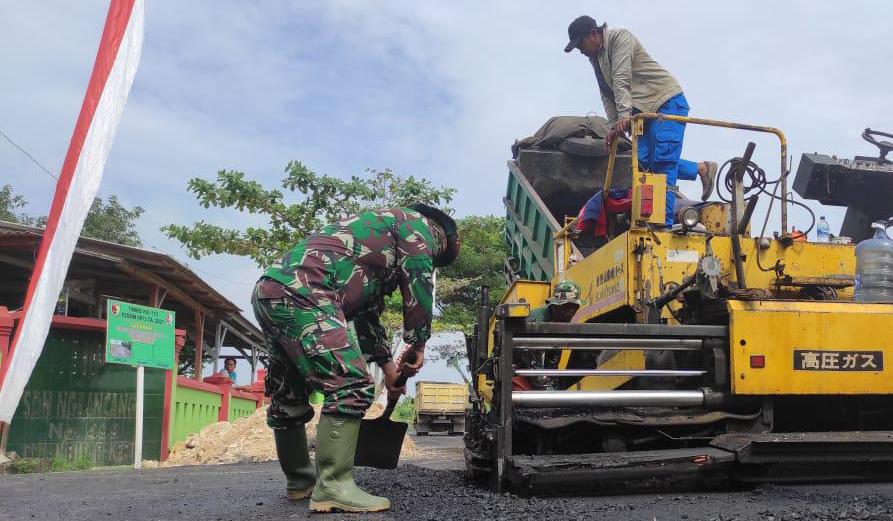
(94, 133)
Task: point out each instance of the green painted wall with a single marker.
(77, 406)
(240, 407)
(192, 410)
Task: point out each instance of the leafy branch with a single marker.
(320, 199)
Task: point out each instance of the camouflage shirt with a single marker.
(540, 314)
(359, 261)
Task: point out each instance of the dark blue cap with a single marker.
(579, 29)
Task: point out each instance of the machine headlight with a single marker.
(690, 217)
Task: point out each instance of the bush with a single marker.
(62, 464)
(404, 411)
(28, 466)
(57, 464)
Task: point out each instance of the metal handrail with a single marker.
(637, 124)
(647, 373)
(608, 344)
(647, 398)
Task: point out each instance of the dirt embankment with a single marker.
(247, 439)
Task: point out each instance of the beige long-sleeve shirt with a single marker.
(634, 78)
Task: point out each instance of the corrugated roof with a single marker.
(149, 266)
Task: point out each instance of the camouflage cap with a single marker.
(565, 292)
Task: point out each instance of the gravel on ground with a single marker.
(247, 491)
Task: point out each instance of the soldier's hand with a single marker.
(411, 369)
(390, 380)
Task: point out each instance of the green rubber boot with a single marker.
(291, 448)
(336, 445)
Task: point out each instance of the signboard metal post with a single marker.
(139, 336)
(138, 431)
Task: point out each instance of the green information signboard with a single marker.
(139, 335)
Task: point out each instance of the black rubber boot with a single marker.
(294, 458)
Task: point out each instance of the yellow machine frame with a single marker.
(639, 265)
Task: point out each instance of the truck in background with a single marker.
(440, 406)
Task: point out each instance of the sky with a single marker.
(438, 90)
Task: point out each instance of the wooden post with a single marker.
(223, 413)
(4, 437)
(6, 327)
(199, 343)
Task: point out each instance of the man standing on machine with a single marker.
(630, 82)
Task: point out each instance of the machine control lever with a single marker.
(737, 173)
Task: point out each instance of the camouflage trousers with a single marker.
(311, 348)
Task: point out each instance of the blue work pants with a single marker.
(660, 149)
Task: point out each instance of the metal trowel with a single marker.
(381, 439)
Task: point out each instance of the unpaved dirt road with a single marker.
(428, 488)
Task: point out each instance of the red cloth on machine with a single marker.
(594, 214)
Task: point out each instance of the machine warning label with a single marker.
(838, 360)
(687, 256)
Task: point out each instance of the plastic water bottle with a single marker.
(823, 230)
(874, 267)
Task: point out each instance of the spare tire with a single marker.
(586, 146)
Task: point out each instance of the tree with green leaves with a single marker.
(314, 200)
(481, 264)
(113, 222)
(107, 221)
(10, 204)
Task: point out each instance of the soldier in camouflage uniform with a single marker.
(305, 304)
(560, 307)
